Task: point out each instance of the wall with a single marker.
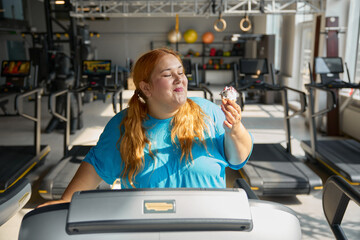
(121, 38)
(288, 41)
(339, 9)
(352, 35)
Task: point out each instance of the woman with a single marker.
(163, 139)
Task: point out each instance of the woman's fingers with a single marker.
(232, 111)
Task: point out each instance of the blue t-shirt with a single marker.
(166, 170)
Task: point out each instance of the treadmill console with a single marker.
(329, 68)
(137, 210)
(253, 69)
(15, 73)
(96, 72)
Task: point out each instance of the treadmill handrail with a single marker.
(19, 103)
(303, 101)
(117, 97)
(65, 118)
(329, 92)
(287, 117)
(208, 91)
(52, 104)
(336, 196)
(37, 114)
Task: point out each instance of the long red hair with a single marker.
(188, 123)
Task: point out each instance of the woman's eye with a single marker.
(167, 75)
(180, 73)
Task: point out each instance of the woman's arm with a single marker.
(85, 178)
(237, 142)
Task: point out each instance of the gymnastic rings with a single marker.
(222, 21)
(247, 21)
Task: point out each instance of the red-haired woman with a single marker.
(164, 139)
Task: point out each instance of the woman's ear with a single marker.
(145, 88)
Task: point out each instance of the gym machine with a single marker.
(272, 170)
(340, 156)
(17, 161)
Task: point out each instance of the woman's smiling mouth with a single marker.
(179, 89)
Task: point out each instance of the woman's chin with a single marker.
(181, 98)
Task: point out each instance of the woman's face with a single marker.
(167, 90)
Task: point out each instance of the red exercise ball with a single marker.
(208, 37)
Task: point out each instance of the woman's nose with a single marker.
(177, 77)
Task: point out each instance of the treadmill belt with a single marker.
(341, 155)
(56, 181)
(79, 150)
(14, 161)
(276, 171)
(67, 172)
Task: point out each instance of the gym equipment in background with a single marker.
(58, 178)
(17, 161)
(162, 214)
(64, 79)
(340, 156)
(174, 35)
(208, 37)
(220, 19)
(272, 170)
(190, 36)
(16, 74)
(245, 24)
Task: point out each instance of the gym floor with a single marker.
(265, 122)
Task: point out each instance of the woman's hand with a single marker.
(52, 203)
(232, 113)
(237, 141)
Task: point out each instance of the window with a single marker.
(357, 65)
(352, 51)
(274, 26)
(12, 9)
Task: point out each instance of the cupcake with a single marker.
(229, 93)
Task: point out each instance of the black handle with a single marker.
(336, 195)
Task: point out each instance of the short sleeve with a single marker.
(105, 156)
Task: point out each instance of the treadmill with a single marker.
(182, 213)
(272, 170)
(340, 156)
(17, 161)
(55, 182)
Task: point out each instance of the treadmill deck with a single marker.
(273, 171)
(340, 156)
(16, 161)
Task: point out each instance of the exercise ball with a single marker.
(190, 36)
(208, 37)
(174, 36)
